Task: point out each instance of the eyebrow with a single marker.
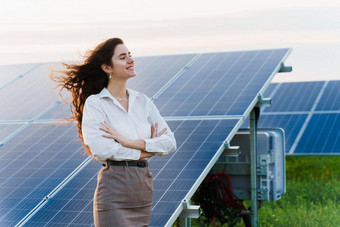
(124, 54)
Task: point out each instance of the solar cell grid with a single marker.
(33, 164)
(73, 204)
(270, 90)
(322, 135)
(23, 102)
(220, 84)
(154, 72)
(330, 98)
(295, 96)
(59, 111)
(290, 123)
(9, 73)
(8, 129)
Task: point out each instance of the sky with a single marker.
(55, 31)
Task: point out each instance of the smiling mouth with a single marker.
(130, 67)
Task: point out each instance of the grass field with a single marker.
(312, 197)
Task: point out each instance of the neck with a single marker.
(117, 88)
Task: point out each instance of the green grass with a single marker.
(312, 197)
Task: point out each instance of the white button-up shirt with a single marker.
(134, 124)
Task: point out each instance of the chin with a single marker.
(132, 75)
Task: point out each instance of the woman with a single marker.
(121, 127)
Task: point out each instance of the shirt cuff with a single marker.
(135, 155)
(149, 145)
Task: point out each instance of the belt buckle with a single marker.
(141, 164)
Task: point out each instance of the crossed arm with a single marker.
(133, 144)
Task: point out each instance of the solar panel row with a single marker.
(308, 112)
(207, 84)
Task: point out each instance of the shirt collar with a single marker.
(132, 96)
(104, 93)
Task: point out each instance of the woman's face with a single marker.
(123, 64)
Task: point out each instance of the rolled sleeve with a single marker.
(164, 144)
(102, 148)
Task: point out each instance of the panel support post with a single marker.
(189, 211)
(184, 222)
(253, 117)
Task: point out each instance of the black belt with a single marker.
(140, 164)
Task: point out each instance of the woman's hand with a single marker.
(154, 131)
(145, 154)
(113, 134)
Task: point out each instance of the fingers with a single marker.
(154, 130)
(161, 132)
(111, 133)
(105, 125)
(105, 130)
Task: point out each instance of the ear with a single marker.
(106, 68)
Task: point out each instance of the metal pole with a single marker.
(184, 222)
(253, 117)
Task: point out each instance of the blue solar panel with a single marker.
(174, 175)
(26, 97)
(322, 135)
(291, 123)
(9, 73)
(295, 96)
(220, 83)
(32, 164)
(154, 72)
(292, 103)
(73, 204)
(8, 129)
(59, 111)
(269, 91)
(331, 96)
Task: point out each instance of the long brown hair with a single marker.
(85, 79)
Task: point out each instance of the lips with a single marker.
(130, 67)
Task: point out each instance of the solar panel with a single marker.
(7, 130)
(220, 83)
(330, 98)
(291, 123)
(154, 72)
(322, 135)
(28, 96)
(10, 73)
(270, 91)
(73, 204)
(295, 96)
(237, 78)
(33, 163)
(303, 110)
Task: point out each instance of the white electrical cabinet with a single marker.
(271, 176)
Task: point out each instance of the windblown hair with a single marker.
(86, 79)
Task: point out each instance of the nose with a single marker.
(130, 60)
